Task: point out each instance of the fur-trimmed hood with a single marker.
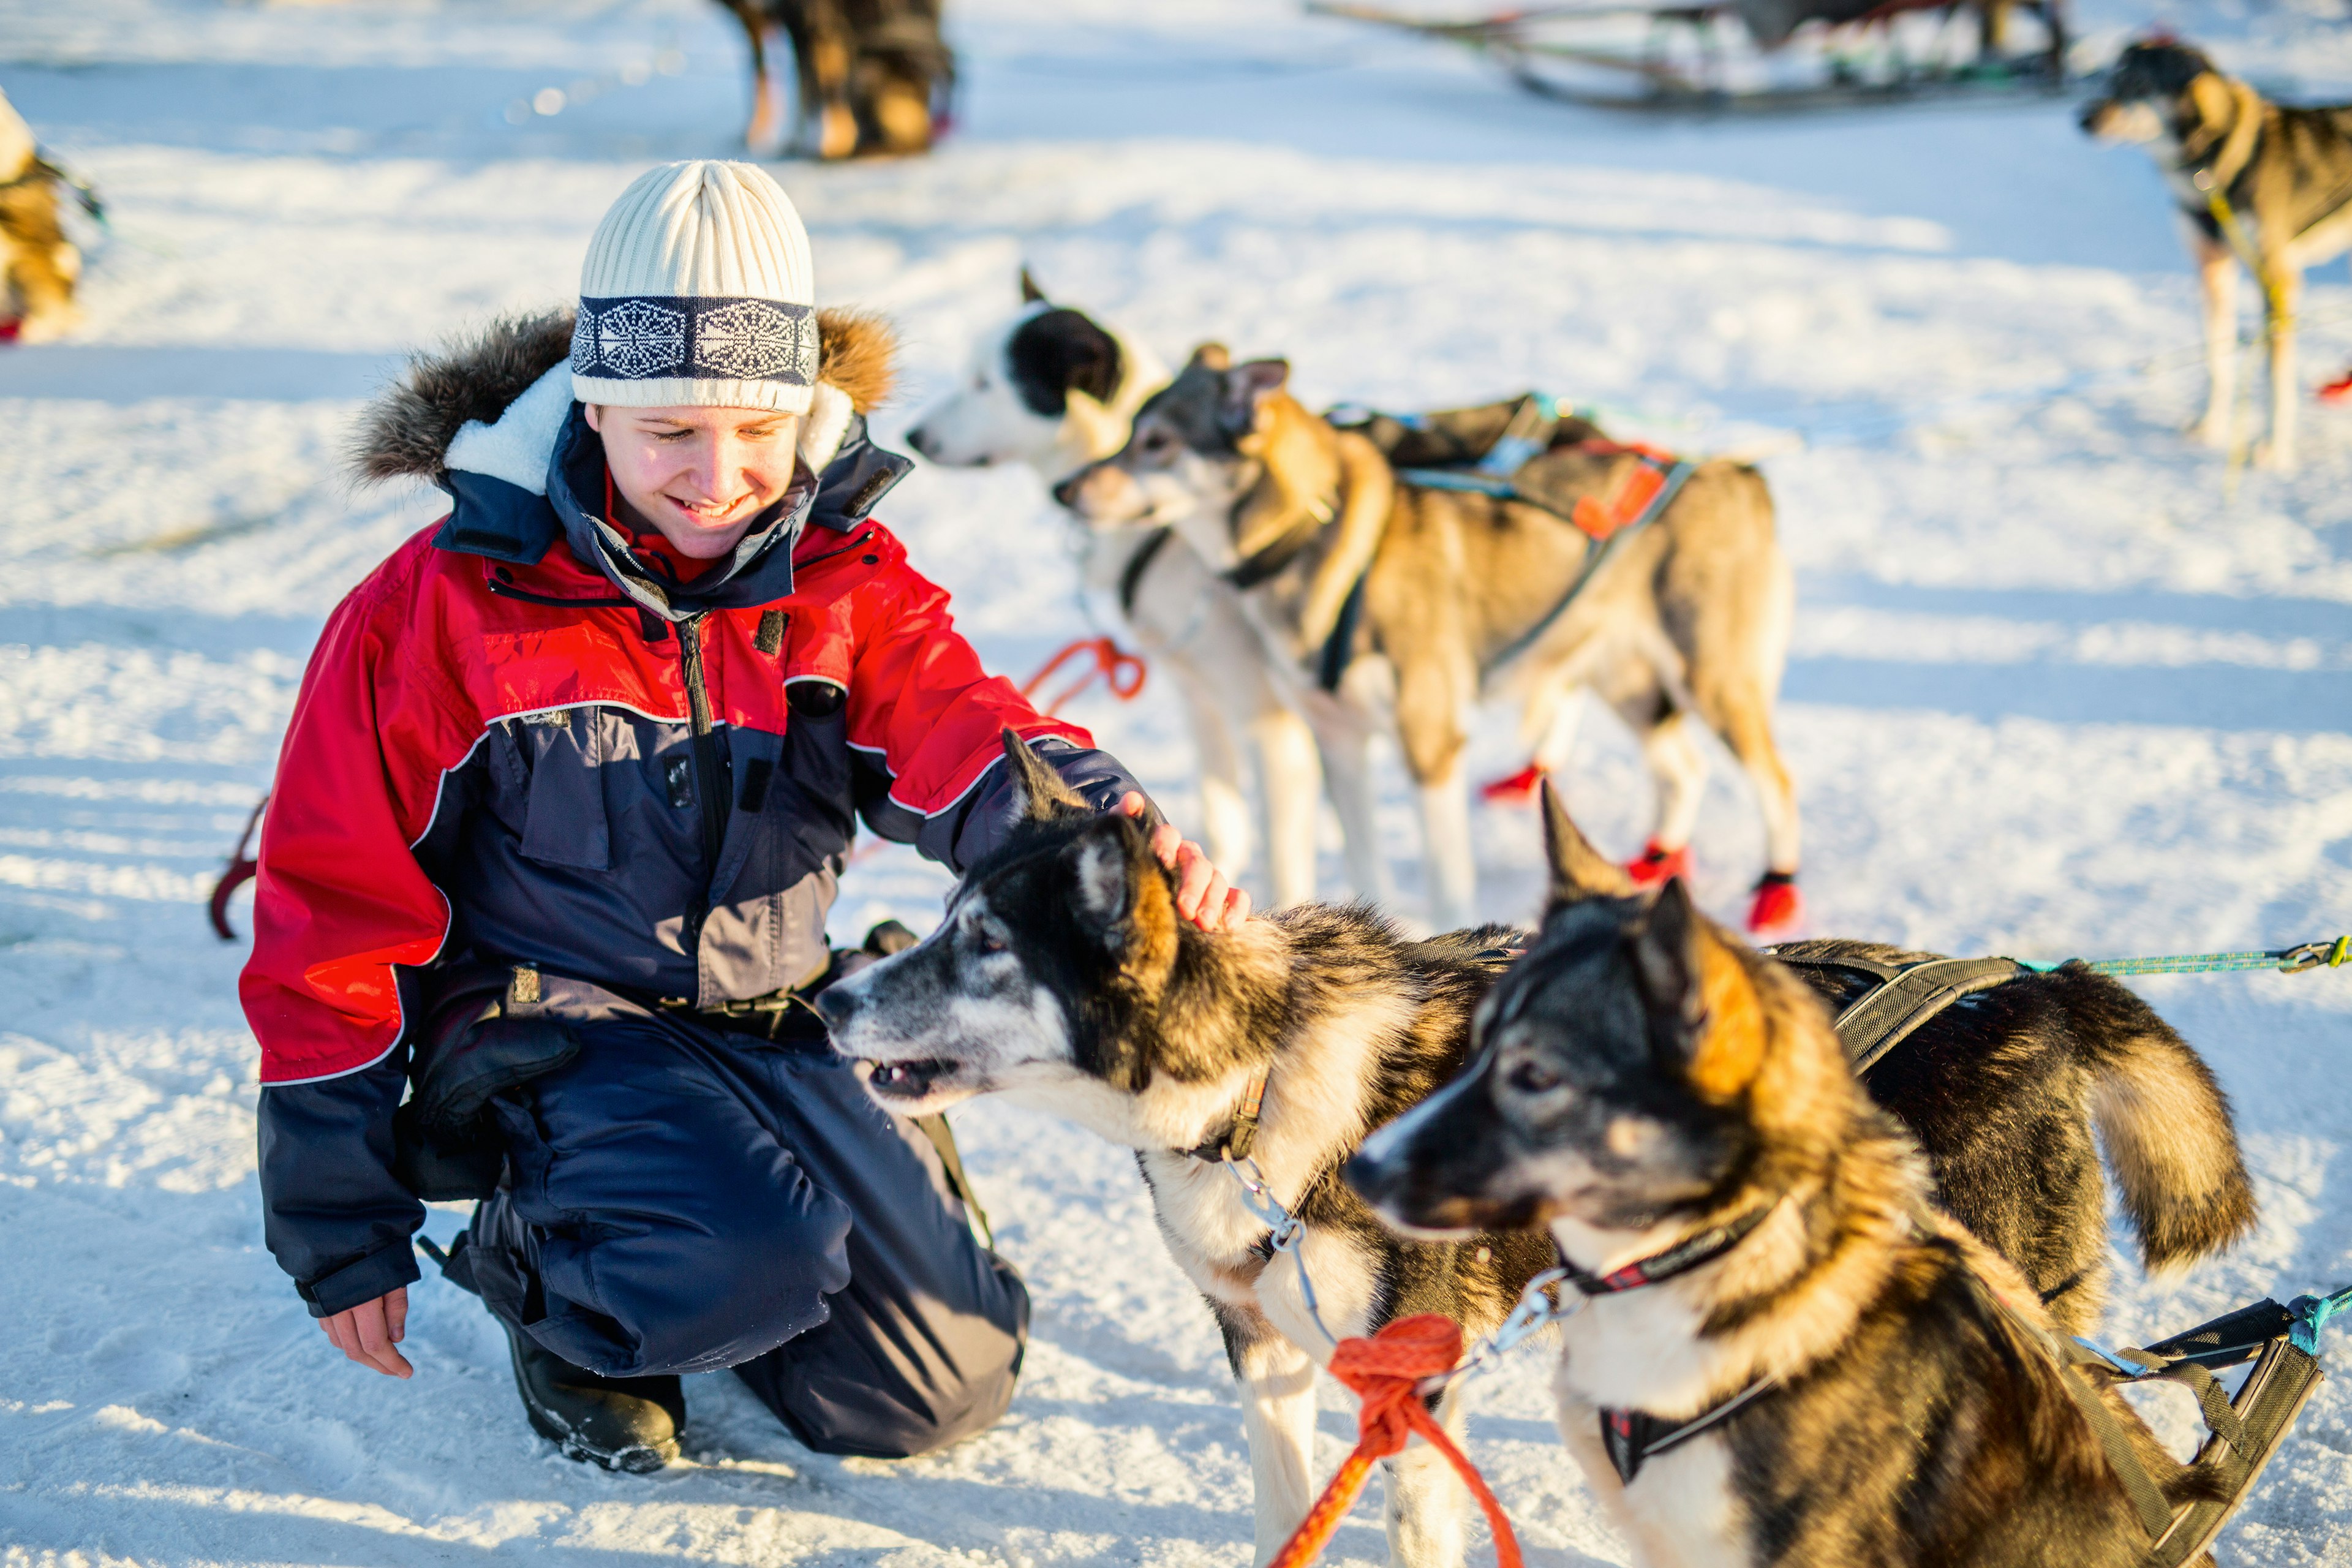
(490, 419)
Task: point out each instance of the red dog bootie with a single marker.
(1779, 907)
(2338, 393)
(1519, 789)
(1657, 865)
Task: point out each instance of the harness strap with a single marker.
(1339, 647)
(1235, 1142)
(1130, 576)
(2155, 1513)
(1898, 1005)
(1631, 1436)
(1603, 550)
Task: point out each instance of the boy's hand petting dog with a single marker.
(1202, 894)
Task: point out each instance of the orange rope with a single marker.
(1385, 1372)
(1122, 672)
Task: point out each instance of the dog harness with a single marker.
(1637, 501)
(2281, 1341)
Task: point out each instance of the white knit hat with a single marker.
(697, 290)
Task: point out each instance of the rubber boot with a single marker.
(621, 1423)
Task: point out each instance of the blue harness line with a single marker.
(2321, 954)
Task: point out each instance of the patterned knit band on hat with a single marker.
(697, 290)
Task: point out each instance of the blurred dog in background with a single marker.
(1396, 606)
(2257, 183)
(875, 78)
(1052, 387)
(38, 266)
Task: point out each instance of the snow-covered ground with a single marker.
(2061, 685)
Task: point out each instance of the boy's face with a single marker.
(699, 475)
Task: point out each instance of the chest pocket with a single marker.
(564, 821)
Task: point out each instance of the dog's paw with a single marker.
(2273, 458)
(2208, 431)
(48, 326)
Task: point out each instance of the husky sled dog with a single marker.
(873, 76)
(1054, 389)
(1789, 1354)
(1061, 977)
(1396, 604)
(38, 266)
(2257, 184)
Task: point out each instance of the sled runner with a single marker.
(1678, 58)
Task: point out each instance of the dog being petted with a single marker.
(1060, 978)
(1791, 1350)
(2258, 186)
(1393, 606)
(1054, 389)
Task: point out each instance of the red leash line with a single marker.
(1122, 672)
(1385, 1372)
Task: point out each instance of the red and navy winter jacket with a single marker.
(521, 742)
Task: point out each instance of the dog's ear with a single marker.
(1705, 1019)
(1579, 871)
(1248, 386)
(1120, 894)
(1210, 356)
(1030, 294)
(1665, 953)
(1038, 792)
(2216, 105)
(1057, 352)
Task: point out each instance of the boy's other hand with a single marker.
(1202, 894)
(368, 1333)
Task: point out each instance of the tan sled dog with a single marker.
(2256, 183)
(1399, 604)
(38, 266)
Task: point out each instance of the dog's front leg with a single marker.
(2281, 289)
(1344, 742)
(1427, 1504)
(1293, 782)
(1224, 807)
(1277, 1382)
(2217, 278)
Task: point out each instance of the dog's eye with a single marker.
(1531, 1077)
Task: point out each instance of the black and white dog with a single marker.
(1062, 978)
(1054, 389)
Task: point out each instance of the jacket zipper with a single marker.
(710, 784)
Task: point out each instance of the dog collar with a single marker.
(1691, 1252)
(1234, 1142)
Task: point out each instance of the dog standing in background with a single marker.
(2257, 184)
(1788, 1354)
(873, 76)
(1395, 605)
(1054, 389)
(38, 266)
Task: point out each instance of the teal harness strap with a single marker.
(2321, 954)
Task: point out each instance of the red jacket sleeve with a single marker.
(341, 899)
(923, 709)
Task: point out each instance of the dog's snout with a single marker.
(2089, 118)
(1066, 492)
(834, 1008)
(921, 440)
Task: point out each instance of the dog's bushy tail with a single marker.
(2164, 1122)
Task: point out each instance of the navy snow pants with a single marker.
(682, 1198)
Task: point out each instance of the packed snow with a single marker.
(2062, 684)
